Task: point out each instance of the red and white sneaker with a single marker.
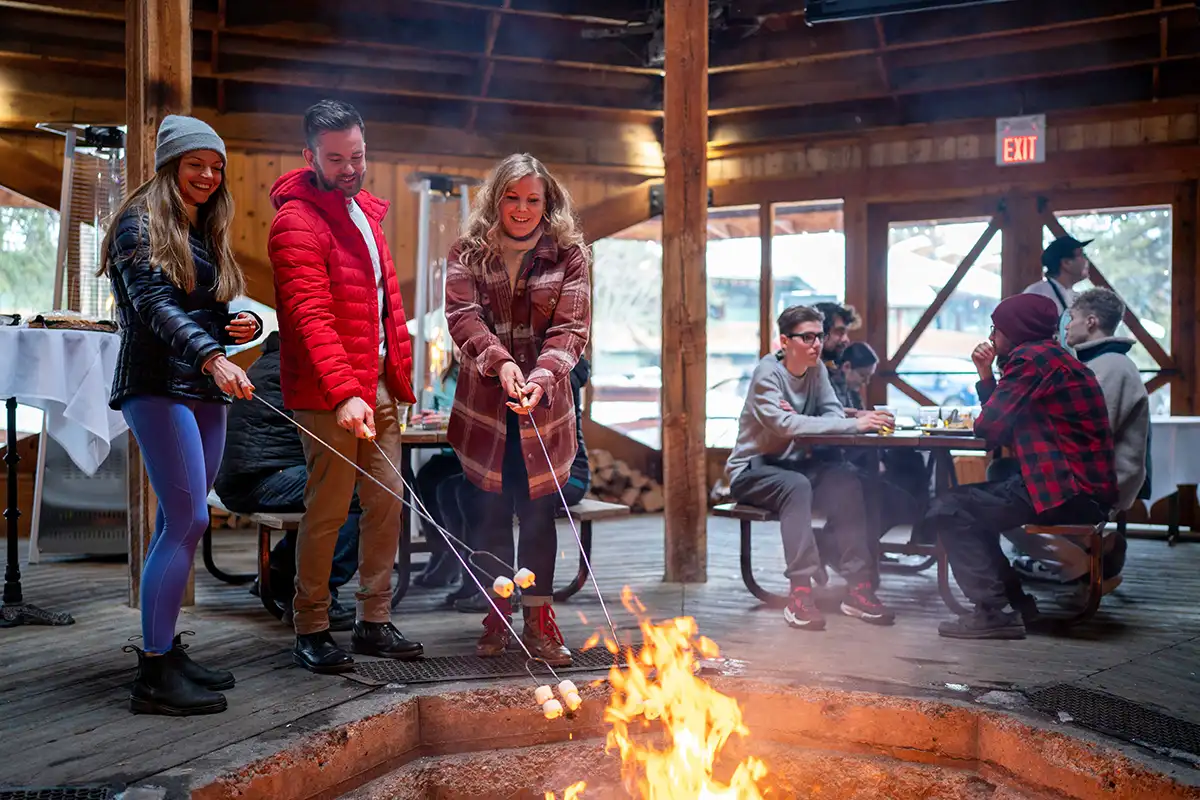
(861, 602)
(802, 612)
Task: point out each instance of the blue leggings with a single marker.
(181, 443)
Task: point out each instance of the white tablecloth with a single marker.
(68, 374)
(1174, 454)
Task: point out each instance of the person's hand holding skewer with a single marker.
(229, 377)
(531, 394)
(356, 416)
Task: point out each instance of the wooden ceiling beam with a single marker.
(797, 45)
(975, 177)
(1030, 96)
(618, 104)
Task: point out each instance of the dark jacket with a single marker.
(167, 334)
(258, 442)
(581, 471)
(1048, 407)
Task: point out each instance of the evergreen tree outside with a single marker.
(28, 248)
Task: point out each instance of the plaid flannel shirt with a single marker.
(1048, 408)
(542, 325)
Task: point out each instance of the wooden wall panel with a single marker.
(1126, 128)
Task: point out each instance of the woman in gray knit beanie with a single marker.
(170, 259)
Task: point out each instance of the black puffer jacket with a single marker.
(167, 334)
(258, 442)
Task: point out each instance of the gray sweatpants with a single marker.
(795, 492)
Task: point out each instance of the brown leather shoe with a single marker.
(496, 638)
(543, 638)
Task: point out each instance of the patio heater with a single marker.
(444, 202)
(74, 513)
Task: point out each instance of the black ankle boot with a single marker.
(215, 679)
(162, 688)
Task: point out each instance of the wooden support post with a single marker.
(1185, 299)
(766, 286)
(684, 292)
(1020, 259)
(158, 82)
(872, 292)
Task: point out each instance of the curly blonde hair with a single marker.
(481, 237)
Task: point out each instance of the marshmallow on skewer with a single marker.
(543, 693)
(524, 578)
(503, 586)
(552, 709)
(570, 695)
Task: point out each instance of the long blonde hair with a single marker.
(161, 203)
(481, 239)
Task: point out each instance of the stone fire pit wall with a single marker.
(479, 743)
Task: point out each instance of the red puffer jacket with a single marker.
(326, 299)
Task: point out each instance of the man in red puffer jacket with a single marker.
(345, 370)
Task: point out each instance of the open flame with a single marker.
(659, 689)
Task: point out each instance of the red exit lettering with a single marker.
(1019, 149)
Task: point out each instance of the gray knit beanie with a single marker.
(178, 135)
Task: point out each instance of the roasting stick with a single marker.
(548, 706)
(543, 695)
(574, 530)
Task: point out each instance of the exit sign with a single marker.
(1021, 140)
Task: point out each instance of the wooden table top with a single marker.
(423, 437)
(916, 440)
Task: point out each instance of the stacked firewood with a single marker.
(614, 481)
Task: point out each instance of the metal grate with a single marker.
(465, 668)
(59, 793)
(1118, 717)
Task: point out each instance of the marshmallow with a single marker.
(572, 700)
(566, 687)
(524, 578)
(542, 694)
(552, 709)
(503, 586)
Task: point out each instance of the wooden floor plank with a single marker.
(64, 691)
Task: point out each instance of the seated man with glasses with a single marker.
(790, 395)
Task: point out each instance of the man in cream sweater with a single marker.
(790, 396)
(1094, 317)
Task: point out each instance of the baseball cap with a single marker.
(1060, 248)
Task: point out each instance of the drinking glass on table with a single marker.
(929, 416)
(890, 428)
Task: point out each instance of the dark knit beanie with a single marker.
(1027, 318)
(178, 135)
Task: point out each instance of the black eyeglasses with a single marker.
(808, 338)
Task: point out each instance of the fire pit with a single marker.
(664, 729)
(819, 743)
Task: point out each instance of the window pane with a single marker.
(808, 256)
(922, 256)
(627, 331)
(734, 268)
(1132, 249)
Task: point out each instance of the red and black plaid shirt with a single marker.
(542, 325)
(1048, 408)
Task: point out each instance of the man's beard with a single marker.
(337, 186)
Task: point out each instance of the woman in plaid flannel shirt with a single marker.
(518, 304)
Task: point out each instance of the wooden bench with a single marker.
(747, 515)
(585, 512)
(1093, 535)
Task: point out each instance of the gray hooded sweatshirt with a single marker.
(1128, 410)
(779, 407)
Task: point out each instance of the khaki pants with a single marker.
(327, 496)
